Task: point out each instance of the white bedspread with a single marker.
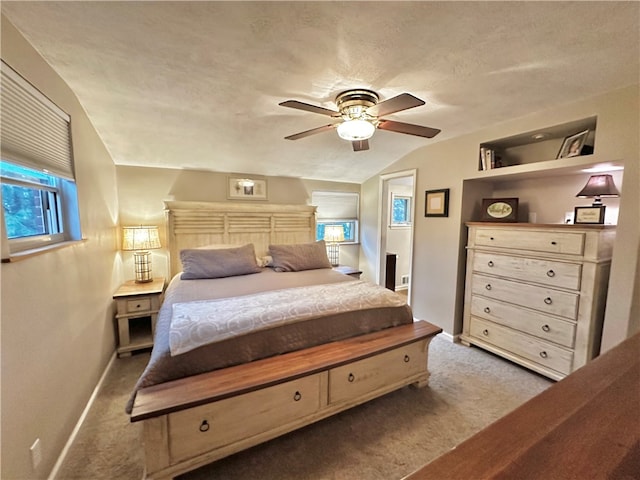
(199, 323)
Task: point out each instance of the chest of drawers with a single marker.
(535, 294)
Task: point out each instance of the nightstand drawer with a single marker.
(547, 300)
(550, 242)
(138, 305)
(546, 272)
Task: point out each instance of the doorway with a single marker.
(396, 227)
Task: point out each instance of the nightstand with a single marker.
(138, 305)
(346, 270)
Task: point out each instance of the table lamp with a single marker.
(140, 240)
(333, 234)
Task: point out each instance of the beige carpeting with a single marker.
(384, 439)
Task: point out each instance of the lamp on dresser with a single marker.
(333, 235)
(597, 186)
(140, 240)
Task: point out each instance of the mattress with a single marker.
(164, 367)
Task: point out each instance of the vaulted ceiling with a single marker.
(197, 84)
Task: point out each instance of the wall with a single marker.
(57, 317)
(142, 192)
(438, 263)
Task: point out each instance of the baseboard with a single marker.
(85, 412)
(449, 337)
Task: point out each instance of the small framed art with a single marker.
(246, 189)
(589, 215)
(572, 145)
(499, 209)
(436, 203)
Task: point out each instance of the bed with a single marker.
(245, 352)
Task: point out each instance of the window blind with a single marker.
(336, 205)
(34, 132)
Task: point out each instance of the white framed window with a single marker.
(39, 196)
(337, 208)
(400, 210)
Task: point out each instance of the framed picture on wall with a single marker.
(246, 189)
(436, 203)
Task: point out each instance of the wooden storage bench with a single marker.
(196, 420)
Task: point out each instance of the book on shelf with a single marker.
(489, 159)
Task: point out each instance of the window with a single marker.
(400, 210)
(337, 208)
(39, 198)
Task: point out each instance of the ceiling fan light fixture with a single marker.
(353, 130)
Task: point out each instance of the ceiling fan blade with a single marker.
(309, 108)
(403, 101)
(360, 145)
(408, 128)
(308, 133)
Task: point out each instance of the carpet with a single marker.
(386, 438)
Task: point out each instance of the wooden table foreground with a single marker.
(587, 426)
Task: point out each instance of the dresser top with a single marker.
(567, 226)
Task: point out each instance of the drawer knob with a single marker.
(554, 243)
(487, 310)
(407, 358)
(297, 397)
(490, 238)
(138, 306)
(551, 273)
(485, 332)
(548, 301)
(351, 377)
(546, 328)
(490, 263)
(204, 426)
(543, 354)
(488, 286)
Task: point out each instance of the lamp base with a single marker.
(142, 261)
(333, 252)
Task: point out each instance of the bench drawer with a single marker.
(202, 429)
(547, 300)
(534, 323)
(359, 378)
(526, 346)
(537, 241)
(546, 272)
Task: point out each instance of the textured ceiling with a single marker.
(197, 84)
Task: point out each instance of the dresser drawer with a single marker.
(204, 428)
(359, 378)
(546, 272)
(138, 305)
(534, 323)
(537, 241)
(555, 302)
(523, 345)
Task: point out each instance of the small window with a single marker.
(337, 208)
(400, 210)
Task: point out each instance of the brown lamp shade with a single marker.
(599, 186)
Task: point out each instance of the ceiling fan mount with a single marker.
(360, 111)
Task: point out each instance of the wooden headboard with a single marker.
(197, 224)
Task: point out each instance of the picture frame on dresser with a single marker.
(500, 210)
(592, 215)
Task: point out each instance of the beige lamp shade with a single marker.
(141, 239)
(333, 233)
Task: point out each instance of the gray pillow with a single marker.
(299, 256)
(218, 263)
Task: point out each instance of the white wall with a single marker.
(438, 263)
(143, 190)
(57, 315)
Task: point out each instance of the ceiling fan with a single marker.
(360, 111)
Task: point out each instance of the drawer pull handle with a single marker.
(546, 328)
(204, 426)
(554, 243)
(548, 301)
(138, 306)
(297, 397)
(543, 354)
(485, 332)
(490, 238)
(551, 273)
(490, 263)
(407, 358)
(487, 310)
(351, 377)
(488, 286)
